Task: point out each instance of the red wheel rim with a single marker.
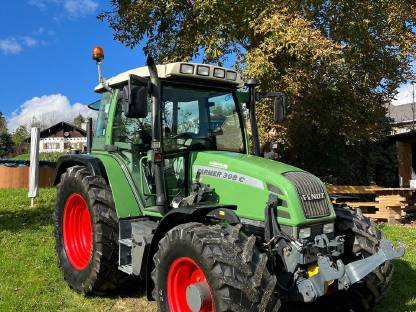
(77, 231)
(183, 273)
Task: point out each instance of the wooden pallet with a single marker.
(352, 189)
(389, 207)
(385, 208)
(388, 203)
(391, 215)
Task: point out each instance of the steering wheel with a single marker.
(184, 135)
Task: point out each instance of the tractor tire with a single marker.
(212, 268)
(362, 241)
(86, 232)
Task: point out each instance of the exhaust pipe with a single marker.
(157, 161)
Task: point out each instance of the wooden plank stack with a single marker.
(389, 207)
(352, 189)
(388, 203)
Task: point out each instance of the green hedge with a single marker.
(42, 156)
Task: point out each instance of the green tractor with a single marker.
(169, 197)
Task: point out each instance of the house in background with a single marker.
(62, 137)
(403, 117)
(404, 135)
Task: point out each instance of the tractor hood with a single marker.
(250, 182)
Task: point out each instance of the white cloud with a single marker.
(75, 8)
(29, 41)
(405, 95)
(48, 109)
(80, 7)
(10, 46)
(42, 4)
(15, 46)
(39, 31)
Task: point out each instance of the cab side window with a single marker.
(101, 125)
(134, 131)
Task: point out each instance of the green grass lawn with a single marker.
(30, 279)
(29, 276)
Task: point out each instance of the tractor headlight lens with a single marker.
(305, 233)
(328, 228)
(231, 75)
(219, 73)
(202, 70)
(187, 69)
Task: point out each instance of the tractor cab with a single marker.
(191, 108)
(159, 118)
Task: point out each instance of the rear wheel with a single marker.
(86, 232)
(211, 268)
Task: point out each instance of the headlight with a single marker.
(187, 69)
(219, 73)
(202, 70)
(304, 233)
(231, 75)
(328, 228)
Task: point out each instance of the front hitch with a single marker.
(312, 288)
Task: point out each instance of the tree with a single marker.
(79, 120)
(6, 144)
(3, 123)
(340, 61)
(19, 137)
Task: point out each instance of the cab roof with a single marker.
(179, 69)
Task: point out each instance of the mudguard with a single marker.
(93, 164)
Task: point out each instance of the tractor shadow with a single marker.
(400, 297)
(16, 220)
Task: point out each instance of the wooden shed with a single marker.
(406, 153)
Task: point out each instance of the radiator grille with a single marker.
(312, 194)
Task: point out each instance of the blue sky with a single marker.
(45, 56)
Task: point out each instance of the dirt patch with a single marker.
(134, 304)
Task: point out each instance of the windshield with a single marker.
(200, 119)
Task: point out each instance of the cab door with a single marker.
(130, 143)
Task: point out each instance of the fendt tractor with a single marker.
(170, 198)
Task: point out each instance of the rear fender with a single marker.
(94, 165)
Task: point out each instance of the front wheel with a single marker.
(362, 241)
(211, 268)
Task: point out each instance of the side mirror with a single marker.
(279, 108)
(135, 97)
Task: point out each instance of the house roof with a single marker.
(408, 137)
(62, 124)
(401, 113)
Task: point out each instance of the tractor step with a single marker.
(135, 236)
(128, 269)
(126, 242)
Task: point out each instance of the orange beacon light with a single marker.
(98, 54)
